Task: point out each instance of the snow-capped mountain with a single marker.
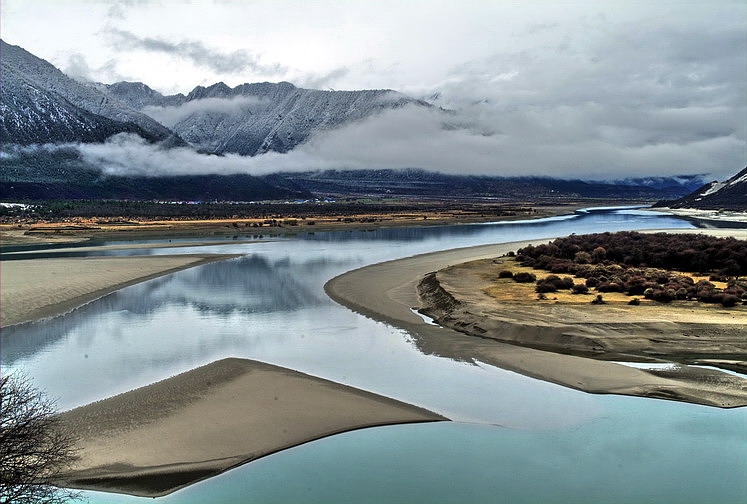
(252, 119)
(729, 195)
(41, 104)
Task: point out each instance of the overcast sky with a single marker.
(563, 88)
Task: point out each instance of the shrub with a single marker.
(663, 295)
(729, 300)
(505, 274)
(609, 287)
(599, 254)
(524, 277)
(582, 257)
(544, 286)
(598, 300)
(580, 289)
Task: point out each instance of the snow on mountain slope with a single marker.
(729, 195)
(252, 119)
(29, 114)
(42, 104)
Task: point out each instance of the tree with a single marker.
(34, 446)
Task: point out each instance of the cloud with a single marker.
(415, 137)
(118, 8)
(171, 115)
(605, 101)
(196, 52)
(323, 81)
(78, 68)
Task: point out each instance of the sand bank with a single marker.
(31, 289)
(135, 246)
(706, 215)
(467, 297)
(387, 292)
(156, 439)
(740, 234)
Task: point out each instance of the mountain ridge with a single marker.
(730, 194)
(265, 116)
(40, 104)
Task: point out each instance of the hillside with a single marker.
(40, 104)
(729, 195)
(252, 119)
(421, 183)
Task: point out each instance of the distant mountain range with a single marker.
(729, 195)
(415, 182)
(253, 119)
(39, 105)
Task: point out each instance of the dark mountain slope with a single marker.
(729, 195)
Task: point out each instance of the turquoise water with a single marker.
(667, 453)
(521, 440)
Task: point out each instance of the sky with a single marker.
(601, 90)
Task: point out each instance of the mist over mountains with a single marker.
(70, 139)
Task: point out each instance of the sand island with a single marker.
(526, 337)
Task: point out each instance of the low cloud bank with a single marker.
(416, 137)
(171, 115)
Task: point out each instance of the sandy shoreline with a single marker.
(156, 439)
(33, 289)
(387, 292)
(706, 215)
(134, 246)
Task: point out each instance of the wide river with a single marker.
(515, 439)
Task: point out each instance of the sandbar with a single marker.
(388, 291)
(134, 246)
(156, 439)
(32, 289)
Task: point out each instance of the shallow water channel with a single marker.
(516, 439)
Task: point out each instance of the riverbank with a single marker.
(388, 292)
(79, 230)
(470, 298)
(716, 216)
(33, 289)
(156, 439)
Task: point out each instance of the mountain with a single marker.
(678, 184)
(40, 104)
(252, 119)
(729, 195)
(416, 182)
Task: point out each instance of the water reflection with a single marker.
(270, 305)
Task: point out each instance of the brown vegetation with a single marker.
(632, 263)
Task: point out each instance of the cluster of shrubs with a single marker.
(696, 253)
(618, 268)
(553, 283)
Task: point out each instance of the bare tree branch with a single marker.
(34, 446)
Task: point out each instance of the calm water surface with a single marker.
(535, 442)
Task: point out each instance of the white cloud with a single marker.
(171, 115)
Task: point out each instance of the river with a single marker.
(515, 439)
